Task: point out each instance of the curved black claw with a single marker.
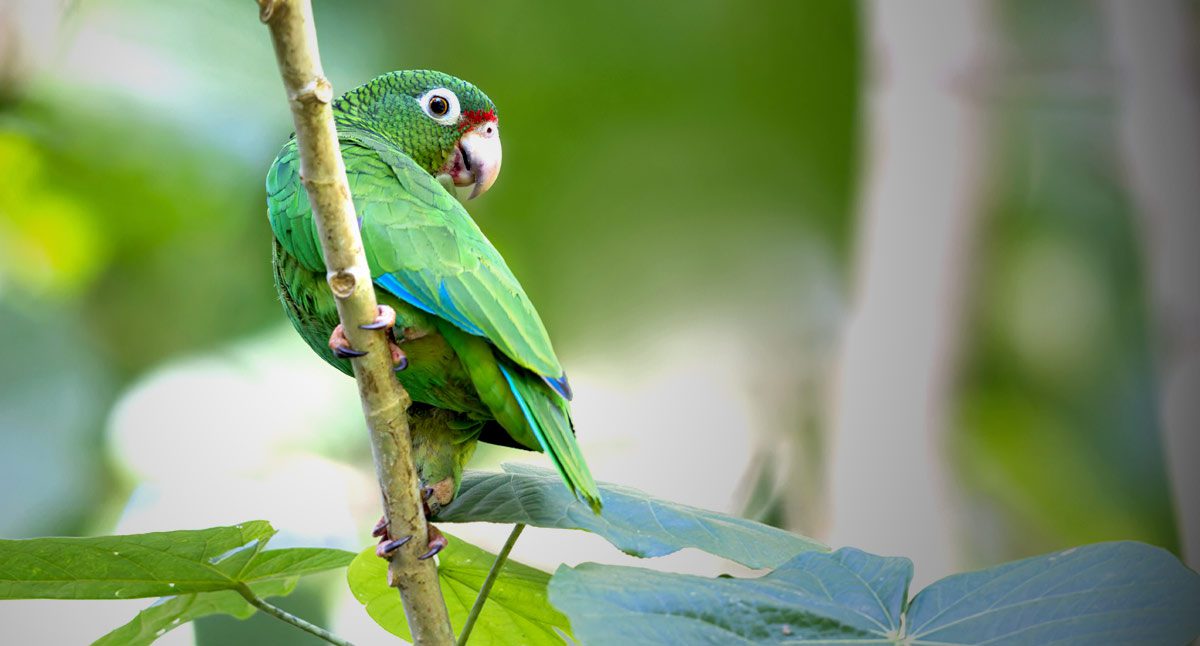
(380, 529)
(426, 493)
(432, 551)
(402, 365)
(385, 318)
(437, 541)
(385, 548)
(347, 352)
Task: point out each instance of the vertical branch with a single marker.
(1158, 60)
(384, 401)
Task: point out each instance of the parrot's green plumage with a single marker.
(480, 363)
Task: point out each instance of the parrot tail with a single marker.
(547, 415)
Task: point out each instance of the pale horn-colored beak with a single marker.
(481, 157)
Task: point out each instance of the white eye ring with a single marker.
(428, 102)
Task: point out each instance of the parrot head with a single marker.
(443, 123)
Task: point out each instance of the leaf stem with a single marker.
(492, 575)
(283, 615)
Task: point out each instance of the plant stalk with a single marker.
(384, 401)
(492, 575)
(285, 616)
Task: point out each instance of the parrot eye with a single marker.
(441, 105)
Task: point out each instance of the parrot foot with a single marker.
(434, 540)
(341, 345)
(384, 320)
(387, 548)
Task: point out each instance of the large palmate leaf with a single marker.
(634, 522)
(815, 597)
(1111, 593)
(153, 565)
(516, 612)
(170, 613)
(1108, 593)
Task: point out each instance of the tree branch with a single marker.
(384, 401)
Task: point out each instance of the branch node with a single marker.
(342, 283)
(316, 91)
(266, 8)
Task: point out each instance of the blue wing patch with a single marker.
(455, 315)
(389, 282)
(449, 312)
(560, 386)
(443, 306)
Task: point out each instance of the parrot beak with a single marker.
(476, 159)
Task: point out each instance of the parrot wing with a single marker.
(422, 247)
(426, 250)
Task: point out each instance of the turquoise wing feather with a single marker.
(551, 423)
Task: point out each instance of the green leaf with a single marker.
(170, 613)
(158, 564)
(516, 612)
(1110, 593)
(815, 597)
(634, 522)
(295, 561)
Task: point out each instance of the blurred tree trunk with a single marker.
(921, 196)
(1155, 52)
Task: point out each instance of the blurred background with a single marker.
(914, 277)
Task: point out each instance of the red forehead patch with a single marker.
(472, 118)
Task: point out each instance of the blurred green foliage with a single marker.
(687, 150)
(156, 245)
(1060, 430)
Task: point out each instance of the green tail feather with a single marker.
(547, 415)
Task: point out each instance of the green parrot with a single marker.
(467, 344)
